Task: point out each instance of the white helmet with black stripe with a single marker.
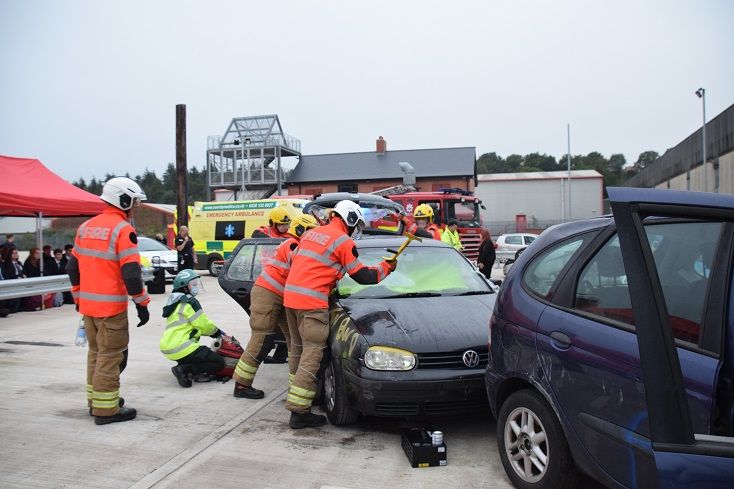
(122, 192)
(352, 215)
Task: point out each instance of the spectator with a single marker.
(65, 258)
(49, 264)
(185, 247)
(159, 237)
(451, 235)
(12, 269)
(487, 254)
(32, 268)
(8, 244)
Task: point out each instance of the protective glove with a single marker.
(219, 334)
(143, 314)
(391, 265)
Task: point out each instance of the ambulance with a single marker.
(217, 227)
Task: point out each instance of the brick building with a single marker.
(375, 170)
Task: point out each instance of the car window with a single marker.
(241, 266)
(263, 255)
(529, 239)
(421, 270)
(147, 244)
(516, 240)
(683, 253)
(543, 271)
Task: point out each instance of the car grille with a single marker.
(430, 408)
(452, 359)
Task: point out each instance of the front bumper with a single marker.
(391, 398)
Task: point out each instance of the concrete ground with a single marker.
(197, 437)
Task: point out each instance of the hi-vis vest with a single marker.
(102, 246)
(324, 255)
(452, 239)
(434, 230)
(184, 326)
(275, 273)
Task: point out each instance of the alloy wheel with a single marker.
(329, 388)
(526, 445)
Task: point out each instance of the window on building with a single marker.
(348, 187)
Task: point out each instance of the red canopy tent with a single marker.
(28, 189)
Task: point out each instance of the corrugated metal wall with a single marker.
(687, 154)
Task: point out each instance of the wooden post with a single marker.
(181, 197)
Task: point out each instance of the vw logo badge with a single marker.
(470, 358)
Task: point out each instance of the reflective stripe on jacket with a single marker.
(452, 238)
(102, 246)
(184, 326)
(275, 272)
(324, 255)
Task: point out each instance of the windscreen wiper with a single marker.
(410, 294)
(475, 292)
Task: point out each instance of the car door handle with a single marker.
(241, 292)
(560, 340)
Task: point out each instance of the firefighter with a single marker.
(424, 226)
(267, 314)
(104, 268)
(324, 255)
(185, 324)
(278, 224)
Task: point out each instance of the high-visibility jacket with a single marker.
(452, 238)
(185, 324)
(275, 272)
(103, 245)
(324, 255)
(432, 228)
(268, 232)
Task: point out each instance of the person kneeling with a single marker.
(185, 324)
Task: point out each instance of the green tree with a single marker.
(645, 158)
(541, 162)
(490, 163)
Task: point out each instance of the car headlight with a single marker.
(388, 358)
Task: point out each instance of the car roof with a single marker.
(667, 196)
(383, 241)
(354, 197)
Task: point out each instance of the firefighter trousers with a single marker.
(267, 316)
(106, 359)
(310, 330)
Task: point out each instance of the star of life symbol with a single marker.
(229, 230)
(409, 208)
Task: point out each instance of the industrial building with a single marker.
(533, 201)
(371, 171)
(681, 167)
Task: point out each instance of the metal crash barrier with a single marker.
(27, 287)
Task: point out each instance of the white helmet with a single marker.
(122, 192)
(352, 215)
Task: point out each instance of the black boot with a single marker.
(124, 414)
(247, 392)
(181, 375)
(280, 355)
(122, 403)
(306, 420)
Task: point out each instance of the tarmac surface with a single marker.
(197, 437)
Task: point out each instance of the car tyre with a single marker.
(532, 445)
(335, 398)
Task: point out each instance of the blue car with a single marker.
(612, 348)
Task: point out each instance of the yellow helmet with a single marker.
(301, 224)
(423, 211)
(279, 216)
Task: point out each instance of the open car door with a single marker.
(682, 456)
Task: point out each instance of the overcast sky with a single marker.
(90, 87)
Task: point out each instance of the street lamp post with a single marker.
(701, 92)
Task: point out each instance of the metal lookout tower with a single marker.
(247, 159)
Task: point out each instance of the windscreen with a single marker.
(378, 216)
(421, 271)
(467, 213)
(147, 244)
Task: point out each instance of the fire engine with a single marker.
(449, 203)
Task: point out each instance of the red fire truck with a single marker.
(451, 203)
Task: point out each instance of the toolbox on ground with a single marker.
(420, 448)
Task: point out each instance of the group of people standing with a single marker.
(37, 264)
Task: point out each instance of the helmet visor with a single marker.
(196, 286)
(357, 230)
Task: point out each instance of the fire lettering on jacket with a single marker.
(96, 232)
(316, 237)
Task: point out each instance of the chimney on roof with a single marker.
(381, 146)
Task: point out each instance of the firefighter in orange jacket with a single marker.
(424, 226)
(278, 224)
(104, 268)
(267, 313)
(324, 255)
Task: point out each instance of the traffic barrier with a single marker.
(27, 287)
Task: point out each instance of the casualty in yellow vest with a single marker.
(185, 324)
